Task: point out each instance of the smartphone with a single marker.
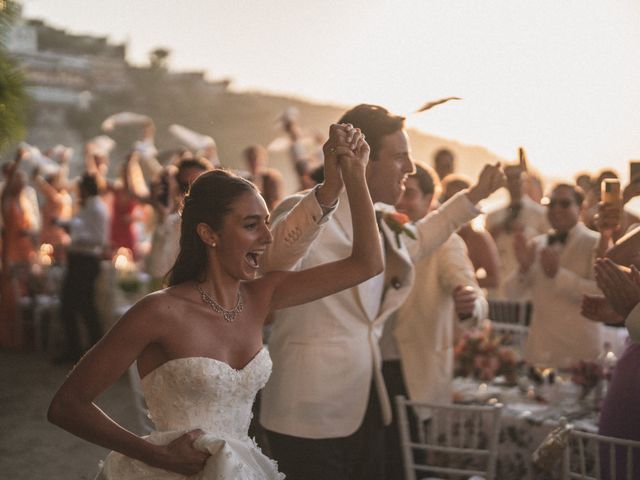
(610, 190)
(634, 170)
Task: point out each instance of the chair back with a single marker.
(511, 318)
(456, 441)
(597, 457)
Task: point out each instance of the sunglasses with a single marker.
(562, 203)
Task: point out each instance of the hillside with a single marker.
(236, 120)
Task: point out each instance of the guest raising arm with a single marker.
(622, 290)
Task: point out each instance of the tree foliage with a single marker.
(13, 98)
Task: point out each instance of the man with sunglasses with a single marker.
(557, 269)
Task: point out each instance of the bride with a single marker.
(198, 343)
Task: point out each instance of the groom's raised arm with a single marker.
(298, 220)
(295, 223)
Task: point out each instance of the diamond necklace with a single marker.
(229, 315)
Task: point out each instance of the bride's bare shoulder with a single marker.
(165, 302)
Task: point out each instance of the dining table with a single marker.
(530, 412)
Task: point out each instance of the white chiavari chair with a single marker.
(511, 318)
(458, 441)
(597, 457)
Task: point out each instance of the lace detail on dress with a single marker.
(199, 392)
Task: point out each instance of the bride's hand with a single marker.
(358, 157)
(182, 457)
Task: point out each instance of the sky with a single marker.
(560, 77)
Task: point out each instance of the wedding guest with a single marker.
(481, 246)
(417, 342)
(620, 415)
(167, 196)
(556, 269)
(626, 251)
(198, 343)
(593, 198)
(302, 164)
(17, 250)
(123, 207)
(444, 162)
(532, 186)
(583, 180)
(57, 204)
(28, 197)
(89, 231)
(522, 214)
(329, 422)
(268, 180)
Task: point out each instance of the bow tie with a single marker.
(560, 238)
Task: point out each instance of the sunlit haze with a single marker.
(560, 77)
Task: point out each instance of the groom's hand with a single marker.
(338, 144)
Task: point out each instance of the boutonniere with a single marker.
(397, 222)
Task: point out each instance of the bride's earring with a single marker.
(213, 244)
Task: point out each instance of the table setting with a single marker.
(536, 399)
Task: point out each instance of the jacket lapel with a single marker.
(398, 273)
(369, 303)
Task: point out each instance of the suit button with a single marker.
(396, 283)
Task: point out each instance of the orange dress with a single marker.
(57, 206)
(17, 247)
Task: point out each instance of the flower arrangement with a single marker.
(483, 355)
(586, 375)
(397, 222)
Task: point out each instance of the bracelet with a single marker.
(322, 206)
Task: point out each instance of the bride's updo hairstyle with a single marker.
(209, 200)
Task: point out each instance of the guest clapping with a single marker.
(557, 269)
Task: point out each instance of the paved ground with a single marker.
(30, 447)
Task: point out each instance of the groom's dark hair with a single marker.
(375, 122)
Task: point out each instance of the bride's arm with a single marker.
(365, 261)
(72, 407)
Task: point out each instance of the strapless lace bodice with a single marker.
(207, 394)
(200, 392)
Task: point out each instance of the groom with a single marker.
(325, 406)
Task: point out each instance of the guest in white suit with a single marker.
(521, 215)
(558, 269)
(326, 405)
(417, 343)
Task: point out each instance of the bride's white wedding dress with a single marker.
(199, 392)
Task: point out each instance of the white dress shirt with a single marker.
(90, 227)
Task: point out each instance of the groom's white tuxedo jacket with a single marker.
(325, 353)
